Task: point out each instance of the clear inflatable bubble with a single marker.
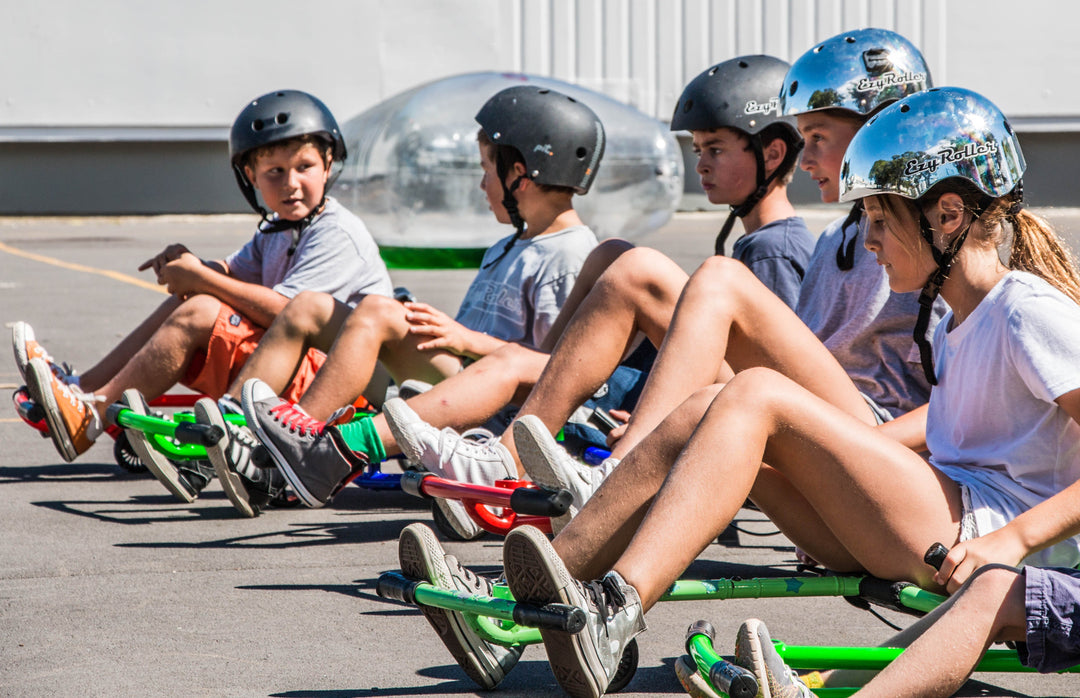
(413, 171)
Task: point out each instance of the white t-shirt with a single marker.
(518, 297)
(993, 425)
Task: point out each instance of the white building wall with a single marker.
(177, 72)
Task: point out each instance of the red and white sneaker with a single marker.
(73, 423)
(26, 347)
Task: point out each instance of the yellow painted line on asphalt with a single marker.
(108, 273)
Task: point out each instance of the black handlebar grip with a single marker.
(555, 616)
(198, 434)
(733, 680)
(699, 627)
(935, 556)
(396, 587)
(411, 481)
(534, 502)
(112, 413)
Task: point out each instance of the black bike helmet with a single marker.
(740, 94)
(275, 117)
(560, 139)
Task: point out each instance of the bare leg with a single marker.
(100, 373)
(476, 394)
(376, 330)
(866, 488)
(164, 359)
(310, 320)
(637, 293)
(726, 319)
(602, 256)
(989, 607)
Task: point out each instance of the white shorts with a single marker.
(991, 499)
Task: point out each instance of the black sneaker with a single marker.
(185, 479)
(584, 663)
(249, 487)
(312, 456)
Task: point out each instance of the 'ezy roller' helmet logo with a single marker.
(948, 156)
(753, 107)
(889, 79)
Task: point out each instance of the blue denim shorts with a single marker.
(1052, 600)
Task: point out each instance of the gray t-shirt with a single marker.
(778, 254)
(335, 255)
(518, 297)
(866, 326)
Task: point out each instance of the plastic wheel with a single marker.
(626, 670)
(444, 527)
(126, 457)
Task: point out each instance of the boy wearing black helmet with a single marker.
(538, 149)
(283, 146)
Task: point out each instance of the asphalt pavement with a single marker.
(109, 587)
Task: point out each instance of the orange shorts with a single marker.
(232, 342)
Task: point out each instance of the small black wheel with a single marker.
(443, 524)
(126, 457)
(626, 669)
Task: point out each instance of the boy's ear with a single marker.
(250, 174)
(774, 153)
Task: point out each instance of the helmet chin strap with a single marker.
(280, 225)
(502, 169)
(751, 202)
(932, 289)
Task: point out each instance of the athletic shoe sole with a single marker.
(532, 450)
(18, 344)
(536, 576)
(207, 412)
(297, 485)
(692, 681)
(154, 460)
(38, 383)
(421, 557)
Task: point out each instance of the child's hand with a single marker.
(183, 276)
(617, 433)
(445, 332)
(1002, 546)
(170, 253)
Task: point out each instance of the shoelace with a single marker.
(450, 442)
(75, 395)
(296, 420)
(605, 595)
(241, 443)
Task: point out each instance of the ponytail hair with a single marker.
(1036, 248)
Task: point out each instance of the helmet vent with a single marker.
(904, 108)
(744, 64)
(281, 118)
(581, 153)
(257, 124)
(818, 49)
(544, 91)
(849, 39)
(794, 86)
(687, 106)
(712, 71)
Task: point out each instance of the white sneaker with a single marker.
(475, 457)
(549, 465)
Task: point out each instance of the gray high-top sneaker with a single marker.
(422, 558)
(583, 663)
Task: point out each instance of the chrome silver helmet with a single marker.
(929, 137)
(859, 71)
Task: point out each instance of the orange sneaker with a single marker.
(26, 347)
(73, 423)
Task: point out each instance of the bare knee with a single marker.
(719, 280)
(643, 269)
(380, 315)
(998, 592)
(199, 312)
(604, 254)
(307, 313)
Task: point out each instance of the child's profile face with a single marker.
(892, 234)
(827, 137)
(291, 179)
(726, 165)
(491, 185)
